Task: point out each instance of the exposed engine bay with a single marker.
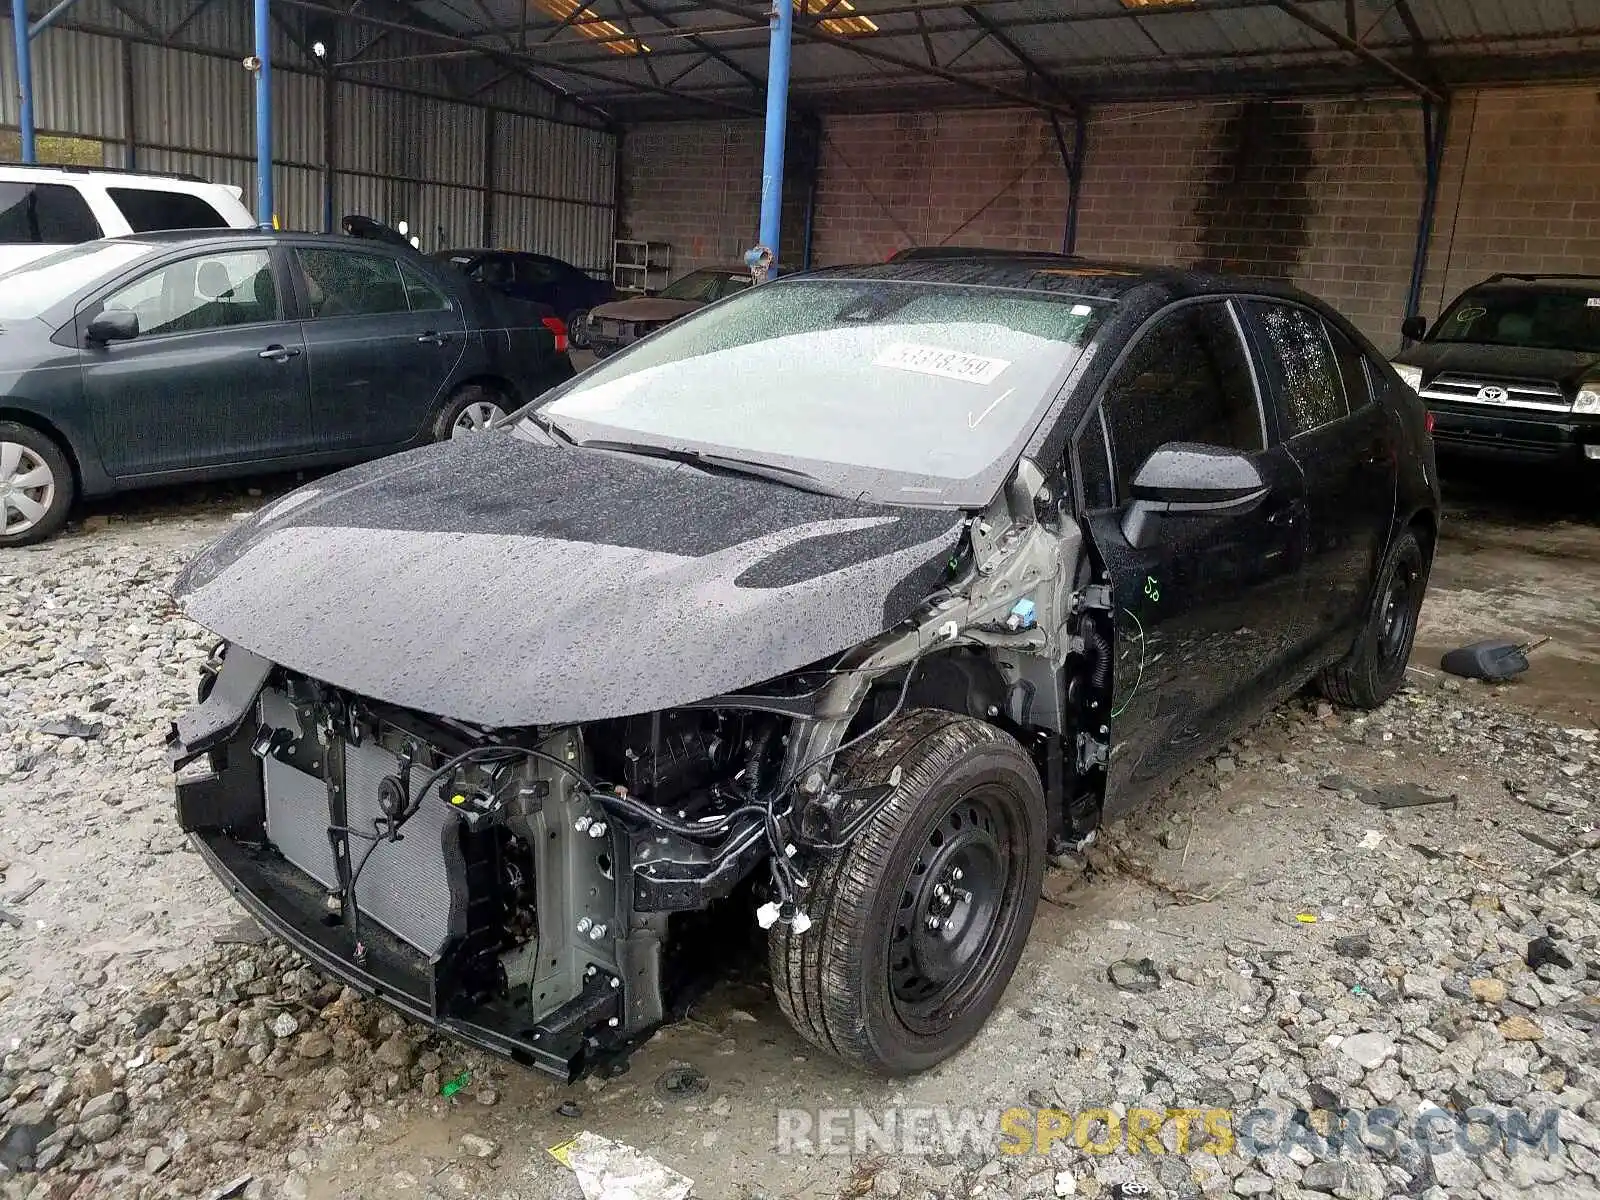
(524, 888)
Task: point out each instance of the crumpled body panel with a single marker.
(503, 582)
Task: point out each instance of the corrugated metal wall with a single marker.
(401, 150)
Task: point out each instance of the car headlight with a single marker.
(1412, 375)
(1588, 401)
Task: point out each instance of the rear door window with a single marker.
(421, 291)
(532, 272)
(1301, 367)
(149, 210)
(1352, 368)
(343, 283)
(49, 214)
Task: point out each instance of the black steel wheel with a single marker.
(918, 925)
(1376, 666)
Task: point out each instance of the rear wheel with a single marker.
(36, 485)
(578, 329)
(471, 410)
(1376, 667)
(917, 926)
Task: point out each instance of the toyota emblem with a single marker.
(1493, 395)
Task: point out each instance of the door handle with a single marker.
(279, 354)
(434, 339)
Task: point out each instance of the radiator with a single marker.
(406, 885)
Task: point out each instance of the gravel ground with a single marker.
(1310, 951)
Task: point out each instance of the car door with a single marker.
(216, 374)
(1205, 610)
(1348, 448)
(383, 340)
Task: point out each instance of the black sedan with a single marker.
(991, 551)
(537, 279)
(161, 357)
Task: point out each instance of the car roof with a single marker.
(1066, 276)
(166, 238)
(1576, 282)
(111, 174)
(485, 252)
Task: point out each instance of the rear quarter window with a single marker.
(149, 209)
(49, 214)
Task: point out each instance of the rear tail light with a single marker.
(558, 330)
(1429, 422)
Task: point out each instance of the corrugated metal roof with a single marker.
(708, 57)
(1093, 45)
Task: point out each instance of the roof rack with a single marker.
(1532, 277)
(79, 169)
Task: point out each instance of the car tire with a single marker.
(468, 409)
(35, 470)
(870, 980)
(578, 329)
(1376, 667)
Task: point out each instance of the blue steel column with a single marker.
(1435, 125)
(19, 27)
(263, 116)
(777, 122)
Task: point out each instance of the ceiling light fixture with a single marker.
(845, 24)
(586, 25)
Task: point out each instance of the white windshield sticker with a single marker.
(1593, 302)
(936, 360)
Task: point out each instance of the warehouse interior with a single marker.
(655, 576)
(1380, 153)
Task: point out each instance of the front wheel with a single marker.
(917, 925)
(36, 485)
(1376, 666)
(471, 410)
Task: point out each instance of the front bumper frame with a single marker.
(289, 905)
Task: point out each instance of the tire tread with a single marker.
(814, 974)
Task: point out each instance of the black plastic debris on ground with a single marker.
(71, 727)
(1545, 950)
(680, 1082)
(1388, 796)
(1353, 945)
(1405, 795)
(1492, 661)
(1134, 975)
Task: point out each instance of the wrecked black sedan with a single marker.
(843, 600)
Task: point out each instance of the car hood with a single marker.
(506, 582)
(1499, 362)
(646, 308)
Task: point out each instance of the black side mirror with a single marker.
(113, 325)
(1414, 328)
(1185, 477)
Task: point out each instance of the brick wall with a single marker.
(1520, 190)
(1323, 194)
(892, 180)
(695, 185)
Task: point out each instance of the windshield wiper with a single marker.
(722, 463)
(538, 417)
